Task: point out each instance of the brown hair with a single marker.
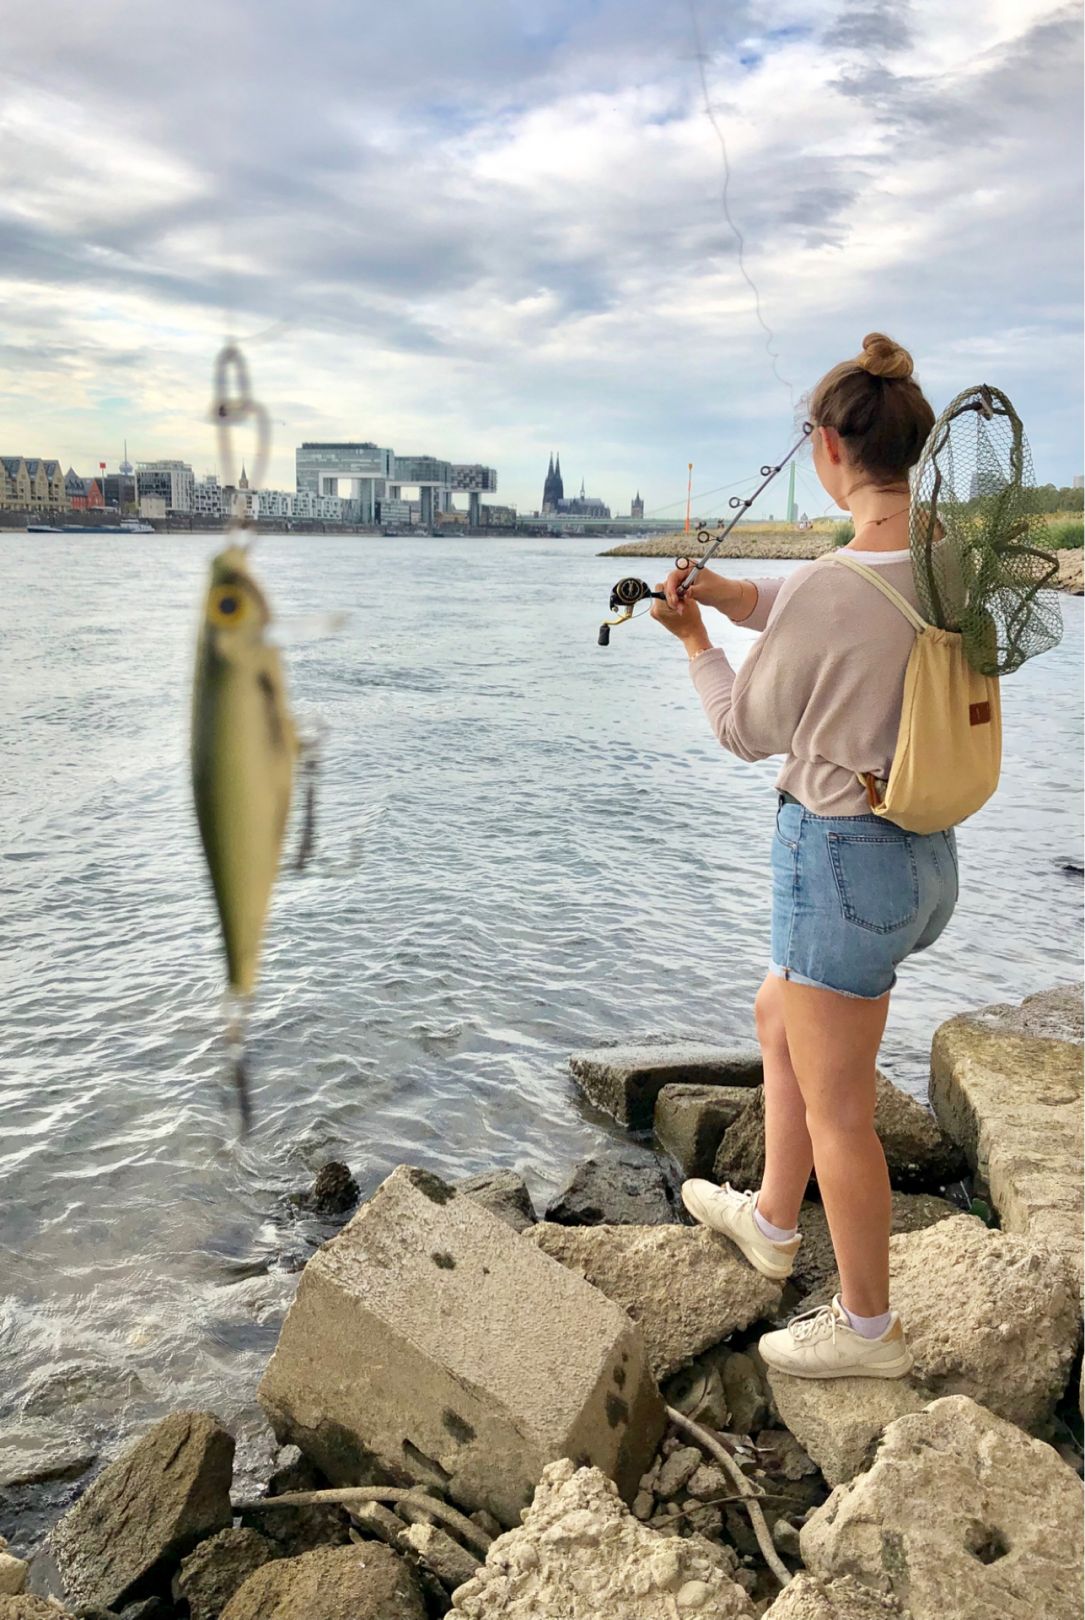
(877, 406)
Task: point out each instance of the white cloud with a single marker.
(513, 240)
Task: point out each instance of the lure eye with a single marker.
(226, 606)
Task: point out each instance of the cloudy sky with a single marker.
(485, 229)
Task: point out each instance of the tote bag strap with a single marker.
(917, 623)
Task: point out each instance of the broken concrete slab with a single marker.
(613, 1191)
(13, 1574)
(503, 1193)
(126, 1535)
(365, 1581)
(26, 1607)
(581, 1555)
(987, 1314)
(807, 1598)
(839, 1420)
(685, 1287)
(430, 1343)
(815, 1263)
(689, 1123)
(1006, 1082)
(209, 1576)
(625, 1080)
(919, 1155)
(959, 1514)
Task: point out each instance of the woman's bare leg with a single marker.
(833, 1044)
(789, 1156)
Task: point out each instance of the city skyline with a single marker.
(517, 239)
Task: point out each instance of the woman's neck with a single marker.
(880, 517)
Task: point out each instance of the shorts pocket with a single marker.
(877, 879)
(789, 824)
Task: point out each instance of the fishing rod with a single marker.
(628, 592)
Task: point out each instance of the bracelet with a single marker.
(693, 657)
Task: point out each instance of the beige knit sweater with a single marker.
(824, 683)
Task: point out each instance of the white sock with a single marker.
(775, 1234)
(868, 1327)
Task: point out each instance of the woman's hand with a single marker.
(711, 590)
(685, 622)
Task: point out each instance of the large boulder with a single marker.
(127, 1534)
(619, 1191)
(987, 1314)
(580, 1555)
(26, 1607)
(209, 1577)
(1006, 1082)
(366, 1581)
(503, 1193)
(685, 1287)
(960, 1514)
(837, 1420)
(625, 1080)
(13, 1572)
(919, 1155)
(807, 1598)
(815, 1262)
(429, 1343)
(689, 1123)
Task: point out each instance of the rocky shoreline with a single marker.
(766, 544)
(506, 1417)
(784, 545)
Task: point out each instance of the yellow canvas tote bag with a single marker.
(949, 745)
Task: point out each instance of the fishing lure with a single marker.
(245, 744)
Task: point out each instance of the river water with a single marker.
(526, 844)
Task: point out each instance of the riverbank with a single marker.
(571, 1415)
(784, 545)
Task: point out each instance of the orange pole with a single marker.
(689, 487)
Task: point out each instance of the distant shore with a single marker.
(783, 544)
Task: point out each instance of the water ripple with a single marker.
(525, 845)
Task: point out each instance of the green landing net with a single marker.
(976, 538)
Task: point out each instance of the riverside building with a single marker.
(378, 479)
(32, 484)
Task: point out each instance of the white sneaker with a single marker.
(730, 1212)
(823, 1344)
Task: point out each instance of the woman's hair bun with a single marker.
(884, 358)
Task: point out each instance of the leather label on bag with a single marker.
(979, 714)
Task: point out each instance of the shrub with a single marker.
(1062, 536)
(843, 532)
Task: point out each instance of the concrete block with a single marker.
(429, 1343)
(690, 1122)
(1006, 1083)
(625, 1080)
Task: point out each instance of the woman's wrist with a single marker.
(696, 643)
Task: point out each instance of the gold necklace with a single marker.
(876, 523)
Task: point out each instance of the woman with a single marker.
(853, 895)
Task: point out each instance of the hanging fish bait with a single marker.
(245, 744)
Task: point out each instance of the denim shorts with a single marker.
(852, 896)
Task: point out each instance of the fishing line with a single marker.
(770, 336)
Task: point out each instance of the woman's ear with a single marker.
(830, 440)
